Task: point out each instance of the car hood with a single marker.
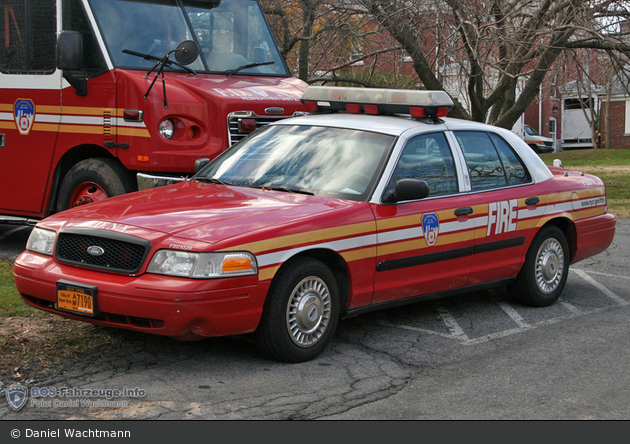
(200, 212)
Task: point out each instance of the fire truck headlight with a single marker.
(41, 241)
(166, 128)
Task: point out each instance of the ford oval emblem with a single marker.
(95, 250)
(274, 110)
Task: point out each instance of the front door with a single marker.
(424, 246)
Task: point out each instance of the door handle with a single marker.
(532, 201)
(463, 211)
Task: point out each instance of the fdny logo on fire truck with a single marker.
(24, 114)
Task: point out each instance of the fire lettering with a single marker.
(503, 215)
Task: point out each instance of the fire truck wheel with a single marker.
(544, 273)
(301, 312)
(93, 180)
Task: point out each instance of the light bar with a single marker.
(419, 104)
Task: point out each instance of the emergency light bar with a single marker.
(418, 104)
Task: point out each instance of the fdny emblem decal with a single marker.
(24, 114)
(431, 226)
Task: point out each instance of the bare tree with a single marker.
(491, 56)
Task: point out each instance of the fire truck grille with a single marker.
(234, 125)
(115, 255)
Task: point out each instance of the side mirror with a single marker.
(70, 58)
(200, 163)
(187, 52)
(407, 189)
(70, 50)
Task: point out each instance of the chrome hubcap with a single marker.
(549, 266)
(308, 311)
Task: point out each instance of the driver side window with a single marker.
(428, 157)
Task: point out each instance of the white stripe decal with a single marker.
(416, 232)
(76, 120)
(338, 245)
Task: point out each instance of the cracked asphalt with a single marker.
(477, 356)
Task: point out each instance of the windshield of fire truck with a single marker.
(232, 34)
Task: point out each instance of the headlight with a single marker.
(203, 265)
(41, 241)
(166, 128)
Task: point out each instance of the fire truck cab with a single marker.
(94, 92)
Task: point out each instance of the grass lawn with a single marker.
(11, 304)
(612, 166)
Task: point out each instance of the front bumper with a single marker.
(181, 308)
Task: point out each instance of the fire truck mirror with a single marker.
(70, 50)
(187, 52)
(70, 58)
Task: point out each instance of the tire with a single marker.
(300, 313)
(544, 273)
(93, 180)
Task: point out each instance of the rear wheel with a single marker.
(93, 180)
(544, 274)
(300, 313)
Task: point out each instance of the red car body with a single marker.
(380, 254)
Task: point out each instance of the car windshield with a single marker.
(233, 35)
(323, 161)
(531, 131)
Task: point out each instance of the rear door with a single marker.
(506, 205)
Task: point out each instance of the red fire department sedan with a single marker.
(321, 217)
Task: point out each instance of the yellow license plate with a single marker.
(76, 298)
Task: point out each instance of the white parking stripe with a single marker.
(600, 287)
(573, 309)
(605, 274)
(513, 314)
(456, 331)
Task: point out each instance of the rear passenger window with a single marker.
(515, 171)
(429, 158)
(484, 165)
(492, 163)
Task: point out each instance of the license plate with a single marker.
(77, 298)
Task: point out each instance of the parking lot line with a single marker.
(600, 287)
(513, 314)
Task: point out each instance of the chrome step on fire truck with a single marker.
(93, 92)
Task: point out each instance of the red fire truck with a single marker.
(95, 92)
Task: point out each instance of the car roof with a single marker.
(386, 124)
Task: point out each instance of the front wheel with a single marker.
(93, 180)
(544, 273)
(301, 312)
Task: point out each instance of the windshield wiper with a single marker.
(210, 180)
(230, 72)
(286, 190)
(152, 58)
(164, 61)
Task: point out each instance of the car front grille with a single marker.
(115, 252)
